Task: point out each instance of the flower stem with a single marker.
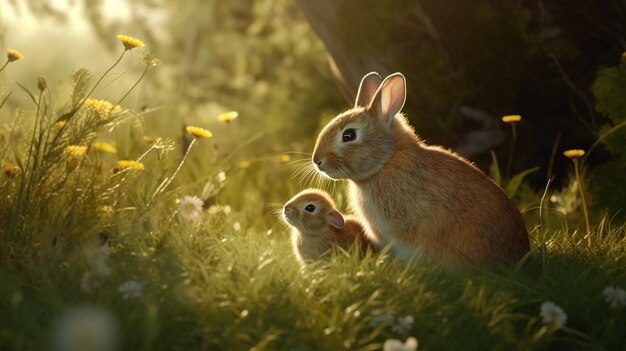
(584, 202)
(169, 180)
(134, 85)
(510, 161)
(3, 66)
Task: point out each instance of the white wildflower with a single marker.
(384, 320)
(86, 329)
(396, 345)
(237, 226)
(130, 290)
(98, 259)
(615, 297)
(190, 207)
(553, 314)
(215, 209)
(403, 325)
(221, 177)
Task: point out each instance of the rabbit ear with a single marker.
(389, 98)
(367, 89)
(336, 219)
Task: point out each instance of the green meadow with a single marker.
(140, 200)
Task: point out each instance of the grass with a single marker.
(229, 281)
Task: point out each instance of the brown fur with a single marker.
(312, 235)
(418, 198)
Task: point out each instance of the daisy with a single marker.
(404, 324)
(553, 314)
(190, 207)
(615, 297)
(130, 290)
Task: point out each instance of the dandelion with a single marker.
(130, 290)
(245, 164)
(396, 345)
(199, 132)
(283, 158)
(14, 55)
(384, 320)
(130, 42)
(86, 329)
(101, 146)
(553, 314)
(228, 116)
(511, 118)
(403, 325)
(129, 164)
(75, 150)
(11, 170)
(190, 207)
(615, 297)
(102, 108)
(575, 155)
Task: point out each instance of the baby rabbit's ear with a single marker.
(389, 98)
(367, 89)
(336, 219)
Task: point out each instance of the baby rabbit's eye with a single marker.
(349, 135)
(310, 208)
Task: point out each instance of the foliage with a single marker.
(609, 90)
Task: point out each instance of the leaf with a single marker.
(66, 116)
(5, 99)
(514, 183)
(494, 169)
(32, 97)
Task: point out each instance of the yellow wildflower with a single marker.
(130, 42)
(60, 124)
(127, 164)
(245, 164)
(199, 132)
(284, 158)
(11, 170)
(511, 118)
(574, 153)
(102, 108)
(14, 55)
(75, 150)
(228, 116)
(101, 146)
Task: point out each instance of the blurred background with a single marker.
(289, 66)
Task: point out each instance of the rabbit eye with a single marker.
(310, 208)
(348, 135)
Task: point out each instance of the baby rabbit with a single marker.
(422, 200)
(317, 225)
